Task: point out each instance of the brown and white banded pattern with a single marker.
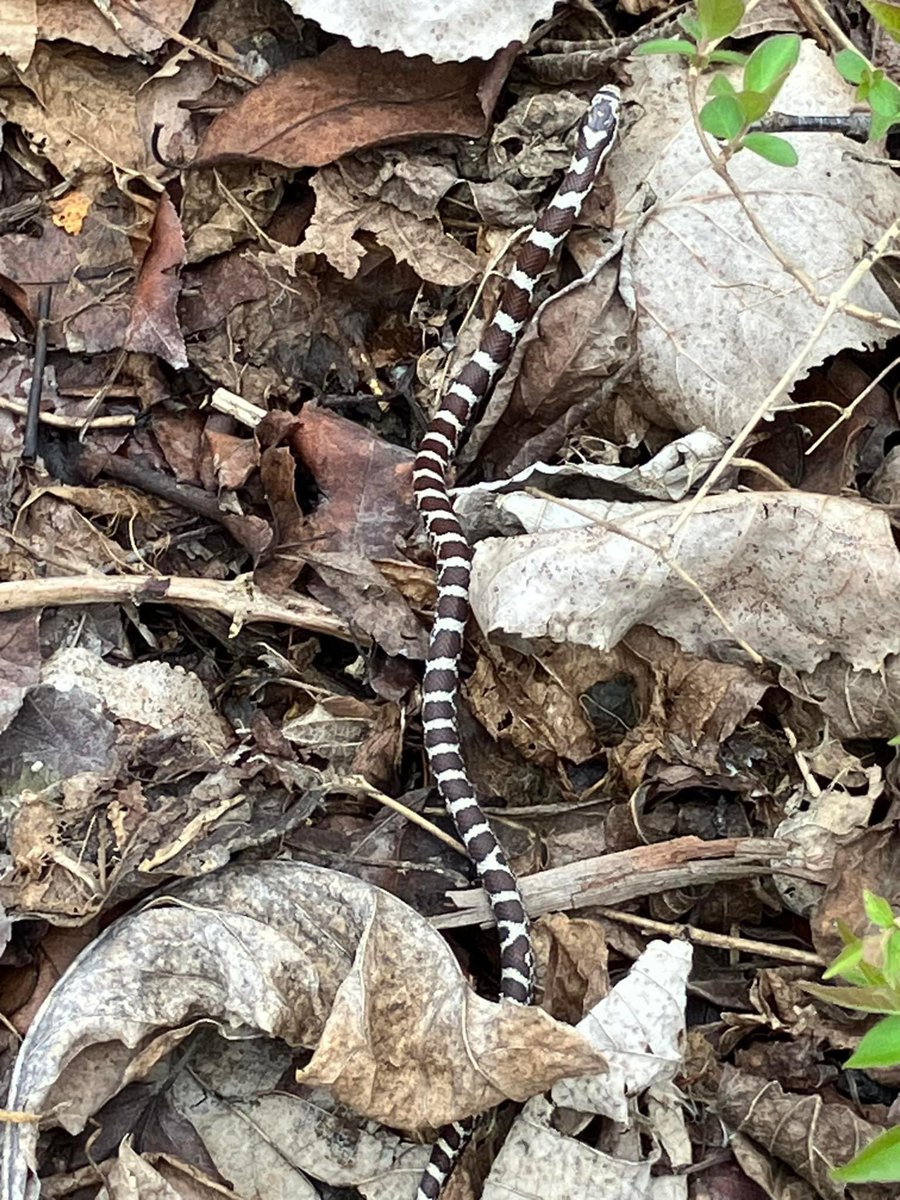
(453, 556)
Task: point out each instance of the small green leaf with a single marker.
(879, 1162)
(892, 959)
(848, 958)
(851, 65)
(895, 740)
(887, 16)
(771, 63)
(727, 56)
(884, 96)
(719, 18)
(774, 149)
(753, 105)
(691, 26)
(880, 126)
(880, 1047)
(721, 85)
(878, 910)
(722, 117)
(667, 46)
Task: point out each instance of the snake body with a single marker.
(453, 557)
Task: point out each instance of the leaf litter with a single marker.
(262, 242)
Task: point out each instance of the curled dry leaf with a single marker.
(668, 475)
(795, 575)
(445, 32)
(286, 950)
(81, 138)
(807, 1133)
(154, 326)
(712, 360)
(857, 704)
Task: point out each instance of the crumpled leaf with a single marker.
(318, 109)
(556, 1165)
(417, 238)
(147, 695)
(445, 32)
(639, 1025)
(717, 319)
(795, 575)
(134, 1176)
(77, 137)
(856, 704)
(296, 952)
(818, 823)
(668, 475)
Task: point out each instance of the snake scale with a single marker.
(453, 556)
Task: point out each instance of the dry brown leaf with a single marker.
(334, 737)
(775, 565)
(414, 238)
(365, 482)
(522, 701)
(316, 110)
(868, 861)
(857, 704)
(717, 319)
(775, 1179)
(220, 210)
(120, 31)
(91, 274)
(294, 952)
(819, 820)
(805, 1132)
(576, 974)
(154, 326)
(77, 134)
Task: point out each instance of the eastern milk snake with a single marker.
(453, 556)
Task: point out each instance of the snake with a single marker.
(460, 406)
